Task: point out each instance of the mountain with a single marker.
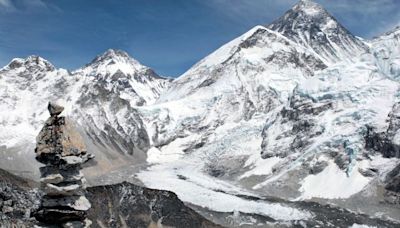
(101, 97)
(283, 111)
(310, 25)
(124, 75)
(282, 117)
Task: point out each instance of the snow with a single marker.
(355, 225)
(207, 193)
(133, 74)
(333, 183)
(169, 153)
(212, 117)
(310, 25)
(260, 166)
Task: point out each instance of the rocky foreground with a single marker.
(129, 205)
(120, 205)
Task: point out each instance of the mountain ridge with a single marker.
(265, 114)
(309, 24)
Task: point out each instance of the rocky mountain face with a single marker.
(310, 25)
(19, 198)
(300, 110)
(101, 97)
(282, 110)
(128, 205)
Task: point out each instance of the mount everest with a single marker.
(299, 110)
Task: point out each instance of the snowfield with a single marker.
(285, 111)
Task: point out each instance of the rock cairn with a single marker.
(61, 149)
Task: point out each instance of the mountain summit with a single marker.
(31, 63)
(113, 60)
(310, 25)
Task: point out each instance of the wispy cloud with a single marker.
(6, 5)
(22, 5)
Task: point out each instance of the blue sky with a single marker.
(167, 35)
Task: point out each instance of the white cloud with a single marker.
(6, 5)
(35, 3)
(24, 5)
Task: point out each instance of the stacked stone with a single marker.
(61, 149)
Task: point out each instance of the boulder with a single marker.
(55, 109)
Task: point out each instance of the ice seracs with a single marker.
(300, 93)
(386, 49)
(274, 112)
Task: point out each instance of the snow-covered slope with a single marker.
(310, 25)
(124, 75)
(101, 97)
(247, 58)
(282, 113)
(300, 110)
(249, 76)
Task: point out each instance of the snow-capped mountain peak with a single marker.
(395, 31)
(113, 60)
(32, 63)
(310, 25)
(309, 7)
(119, 72)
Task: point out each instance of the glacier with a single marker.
(300, 110)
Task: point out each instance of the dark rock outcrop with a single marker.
(18, 199)
(381, 142)
(119, 205)
(387, 143)
(393, 179)
(128, 205)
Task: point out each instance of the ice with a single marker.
(333, 183)
(207, 193)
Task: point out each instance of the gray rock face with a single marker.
(119, 205)
(300, 119)
(387, 142)
(18, 200)
(128, 205)
(309, 24)
(62, 150)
